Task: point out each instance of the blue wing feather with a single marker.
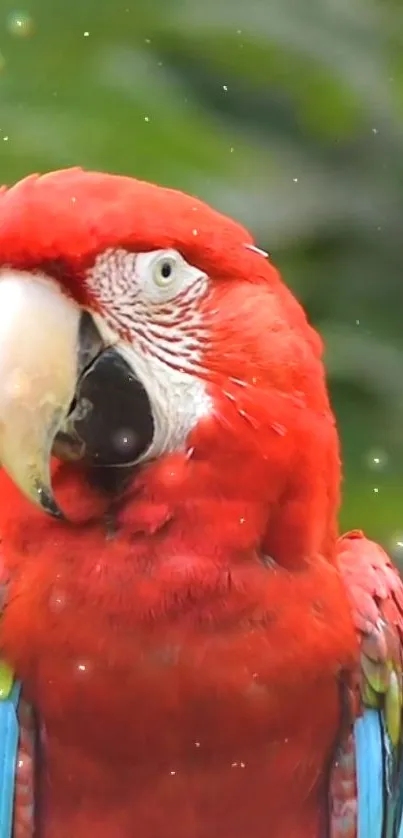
(370, 774)
(9, 735)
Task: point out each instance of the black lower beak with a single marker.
(110, 422)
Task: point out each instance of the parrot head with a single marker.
(146, 342)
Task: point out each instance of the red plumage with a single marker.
(187, 669)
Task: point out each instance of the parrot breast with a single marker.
(185, 686)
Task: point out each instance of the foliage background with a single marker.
(287, 114)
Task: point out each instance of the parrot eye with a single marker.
(163, 274)
(164, 271)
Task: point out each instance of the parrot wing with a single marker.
(17, 751)
(367, 776)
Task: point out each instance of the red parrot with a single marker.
(201, 655)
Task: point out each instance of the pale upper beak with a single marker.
(58, 375)
(39, 329)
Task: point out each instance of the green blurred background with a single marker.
(287, 114)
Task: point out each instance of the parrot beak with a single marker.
(62, 389)
(38, 367)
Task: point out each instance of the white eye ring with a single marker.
(164, 271)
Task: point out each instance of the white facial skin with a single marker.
(154, 298)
